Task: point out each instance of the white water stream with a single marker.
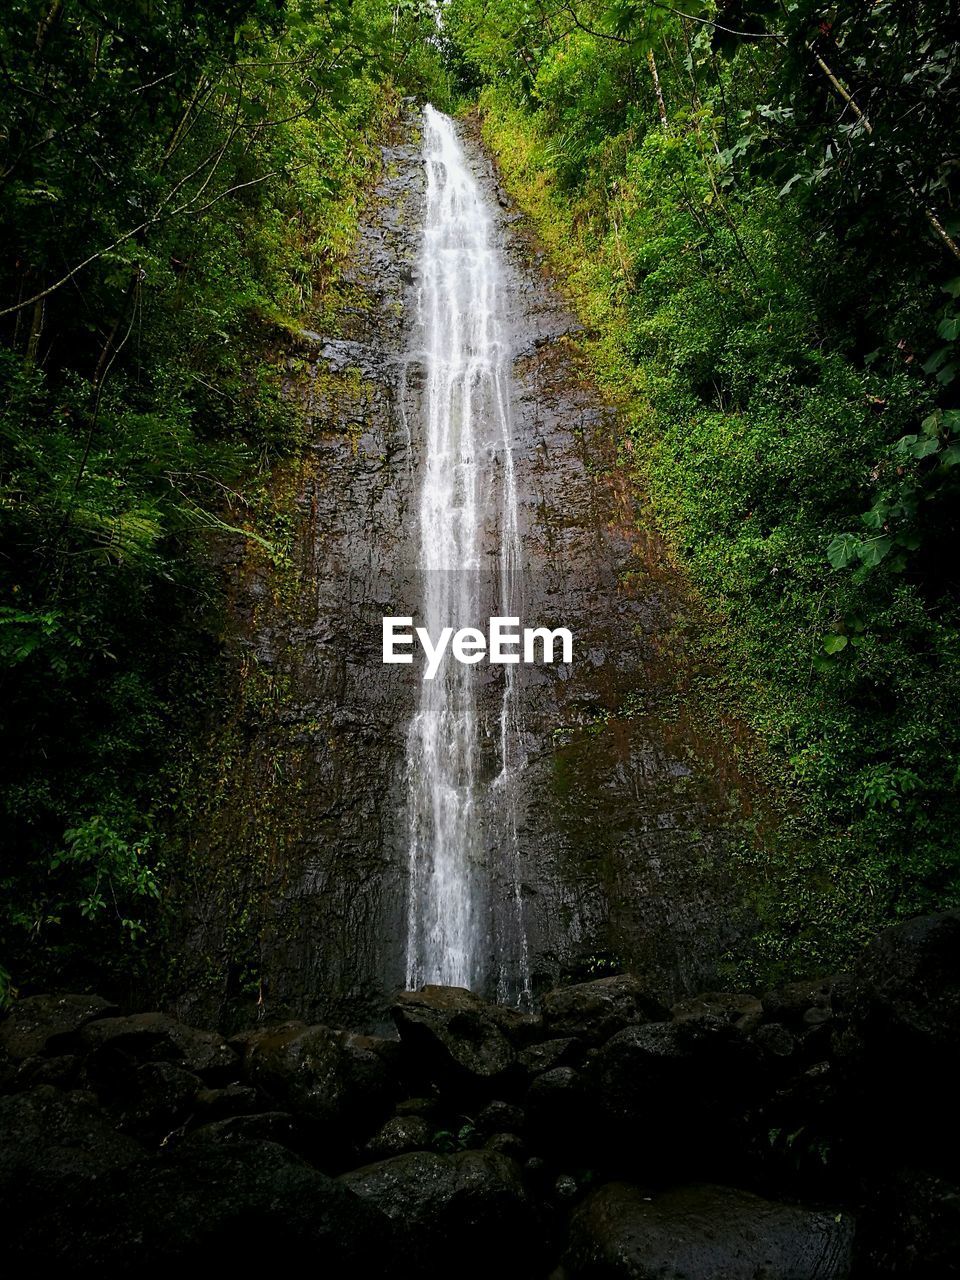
(465, 909)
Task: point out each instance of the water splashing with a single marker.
(465, 913)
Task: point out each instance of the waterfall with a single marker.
(465, 910)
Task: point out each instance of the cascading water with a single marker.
(465, 925)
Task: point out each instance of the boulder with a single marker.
(594, 1011)
(231, 1100)
(399, 1135)
(465, 1214)
(231, 1206)
(549, 1054)
(426, 1107)
(53, 1147)
(800, 1004)
(622, 1232)
(910, 1226)
(560, 1114)
(264, 1126)
(35, 1021)
(499, 1117)
(62, 1070)
(741, 1010)
(671, 1091)
(774, 1042)
(335, 1081)
(152, 1037)
(508, 1144)
(906, 989)
(154, 1099)
(899, 1051)
(455, 1036)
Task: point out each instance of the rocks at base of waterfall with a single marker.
(549, 1054)
(35, 1023)
(622, 1232)
(152, 1099)
(499, 1117)
(594, 1011)
(234, 1206)
(260, 1126)
(898, 1043)
(466, 1214)
(507, 1144)
(341, 1085)
(230, 1100)
(774, 1043)
(155, 1037)
(64, 1071)
(801, 1005)
(560, 1115)
(398, 1136)
(49, 1140)
(673, 1093)
(910, 1225)
(740, 1009)
(454, 1036)
(905, 992)
(54, 1149)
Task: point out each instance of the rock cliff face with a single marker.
(807, 1135)
(297, 891)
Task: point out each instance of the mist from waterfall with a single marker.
(465, 908)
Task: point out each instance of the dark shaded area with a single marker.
(806, 1133)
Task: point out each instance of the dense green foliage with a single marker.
(766, 258)
(180, 182)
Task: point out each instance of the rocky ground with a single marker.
(810, 1132)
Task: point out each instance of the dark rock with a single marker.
(9, 1068)
(33, 1022)
(154, 1037)
(499, 1117)
(566, 1187)
(426, 1107)
(153, 1100)
(901, 1044)
(62, 1071)
(774, 1041)
(791, 1003)
(743, 1011)
(560, 1118)
(264, 1126)
(816, 1016)
(798, 1128)
(707, 1232)
(910, 1226)
(907, 985)
(231, 1100)
(594, 1011)
(53, 1147)
(233, 1206)
(335, 1080)
(455, 1035)
(672, 1091)
(549, 1054)
(507, 1144)
(471, 1206)
(399, 1135)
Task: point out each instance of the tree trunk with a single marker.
(661, 105)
